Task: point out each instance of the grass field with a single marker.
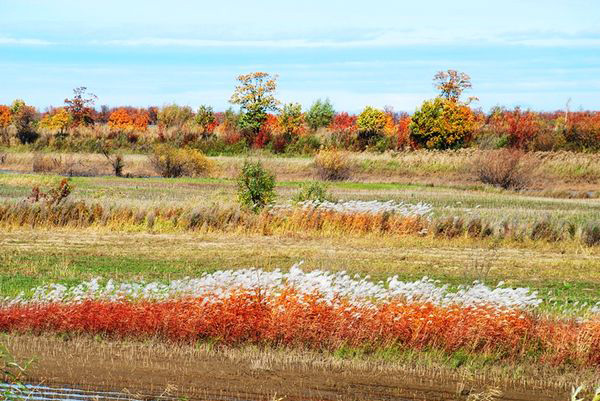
(566, 273)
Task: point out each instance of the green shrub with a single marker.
(312, 191)
(172, 162)
(332, 165)
(256, 186)
(304, 145)
(442, 124)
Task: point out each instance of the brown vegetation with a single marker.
(332, 165)
(171, 162)
(250, 373)
(505, 168)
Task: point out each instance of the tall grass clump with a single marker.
(591, 234)
(256, 186)
(42, 163)
(332, 165)
(171, 162)
(12, 373)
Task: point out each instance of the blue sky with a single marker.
(532, 53)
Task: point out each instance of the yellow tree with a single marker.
(371, 124)
(57, 121)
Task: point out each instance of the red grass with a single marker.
(294, 319)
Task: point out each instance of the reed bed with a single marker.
(287, 219)
(315, 310)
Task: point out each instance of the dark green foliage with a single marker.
(320, 114)
(256, 186)
(23, 118)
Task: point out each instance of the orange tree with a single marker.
(452, 84)
(5, 121)
(291, 120)
(520, 127)
(128, 120)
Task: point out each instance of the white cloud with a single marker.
(386, 39)
(24, 42)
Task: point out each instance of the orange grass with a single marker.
(308, 320)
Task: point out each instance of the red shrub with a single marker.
(344, 130)
(583, 130)
(521, 127)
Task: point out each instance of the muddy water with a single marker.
(39, 392)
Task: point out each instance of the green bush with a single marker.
(304, 145)
(442, 124)
(256, 186)
(312, 191)
(320, 114)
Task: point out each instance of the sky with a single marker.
(537, 54)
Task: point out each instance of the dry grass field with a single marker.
(564, 271)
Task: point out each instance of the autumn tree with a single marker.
(442, 124)
(58, 121)
(23, 118)
(5, 121)
(81, 106)
(291, 119)
(206, 120)
(452, 84)
(130, 121)
(173, 115)
(519, 127)
(343, 130)
(255, 94)
(371, 124)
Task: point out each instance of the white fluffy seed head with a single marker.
(331, 286)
